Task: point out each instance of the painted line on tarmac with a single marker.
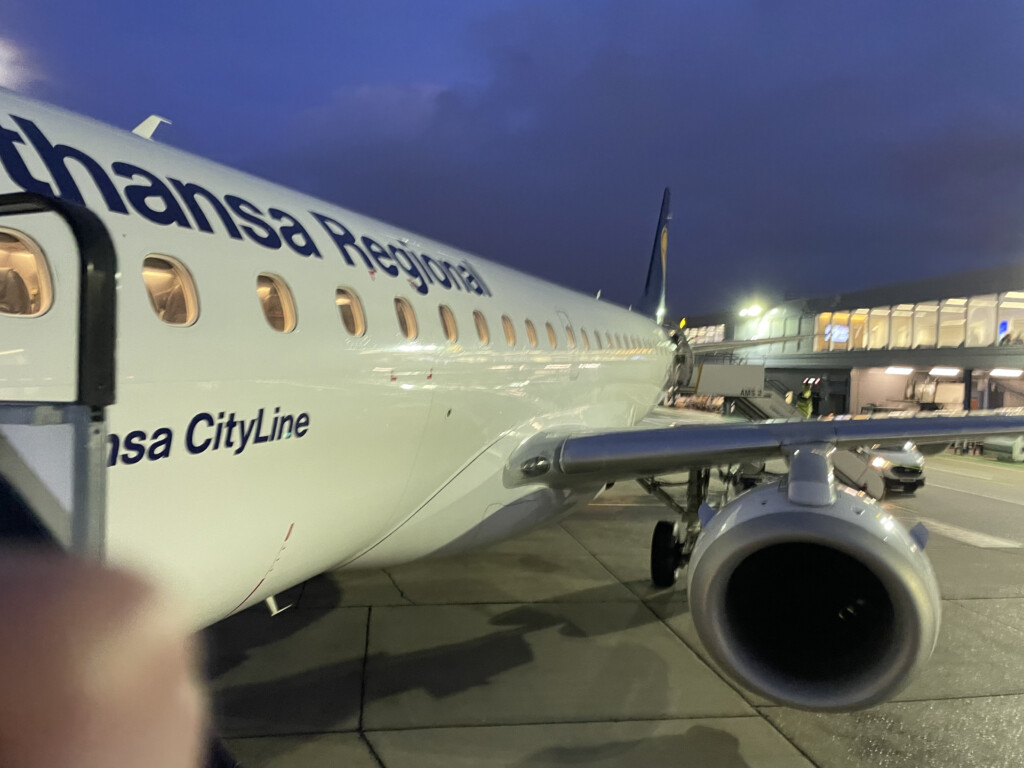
(964, 535)
(1003, 499)
(615, 504)
(976, 475)
(989, 465)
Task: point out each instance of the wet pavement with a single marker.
(555, 650)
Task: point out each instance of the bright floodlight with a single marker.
(752, 311)
(941, 371)
(1006, 373)
(899, 370)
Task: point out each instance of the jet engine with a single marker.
(812, 595)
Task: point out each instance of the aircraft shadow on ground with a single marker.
(333, 697)
(698, 747)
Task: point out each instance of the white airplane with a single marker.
(232, 387)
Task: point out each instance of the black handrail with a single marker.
(97, 295)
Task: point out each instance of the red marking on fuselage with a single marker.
(249, 595)
(269, 570)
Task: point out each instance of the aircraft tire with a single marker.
(665, 554)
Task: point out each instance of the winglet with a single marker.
(652, 302)
(148, 127)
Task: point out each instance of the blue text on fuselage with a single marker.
(184, 204)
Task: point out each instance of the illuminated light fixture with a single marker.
(752, 311)
(1006, 373)
(940, 371)
(899, 370)
(682, 323)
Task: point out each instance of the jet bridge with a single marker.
(57, 341)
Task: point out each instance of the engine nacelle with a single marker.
(829, 607)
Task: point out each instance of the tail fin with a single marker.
(652, 302)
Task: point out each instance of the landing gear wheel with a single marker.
(666, 554)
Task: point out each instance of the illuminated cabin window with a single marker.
(406, 318)
(276, 301)
(597, 339)
(25, 288)
(510, 330)
(570, 337)
(585, 339)
(351, 309)
(451, 330)
(172, 292)
(481, 327)
(531, 333)
(552, 339)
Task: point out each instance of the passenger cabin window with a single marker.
(570, 337)
(25, 288)
(510, 330)
(172, 291)
(276, 301)
(406, 318)
(618, 342)
(586, 340)
(481, 327)
(351, 309)
(597, 339)
(552, 339)
(531, 333)
(611, 344)
(451, 330)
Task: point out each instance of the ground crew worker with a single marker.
(805, 401)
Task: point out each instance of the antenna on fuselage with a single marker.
(148, 127)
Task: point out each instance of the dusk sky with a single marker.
(812, 148)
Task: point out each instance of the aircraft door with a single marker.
(572, 335)
(47, 326)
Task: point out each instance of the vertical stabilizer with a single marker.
(652, 302)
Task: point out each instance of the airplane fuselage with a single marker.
(243, 459)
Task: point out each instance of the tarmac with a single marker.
(555, 650)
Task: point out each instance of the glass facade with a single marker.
(958, 321)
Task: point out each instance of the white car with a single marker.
(900, 464)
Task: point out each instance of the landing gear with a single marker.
(666, 554)
(673, 542)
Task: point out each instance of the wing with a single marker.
(561, 459)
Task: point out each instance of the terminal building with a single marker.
(943, 343)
